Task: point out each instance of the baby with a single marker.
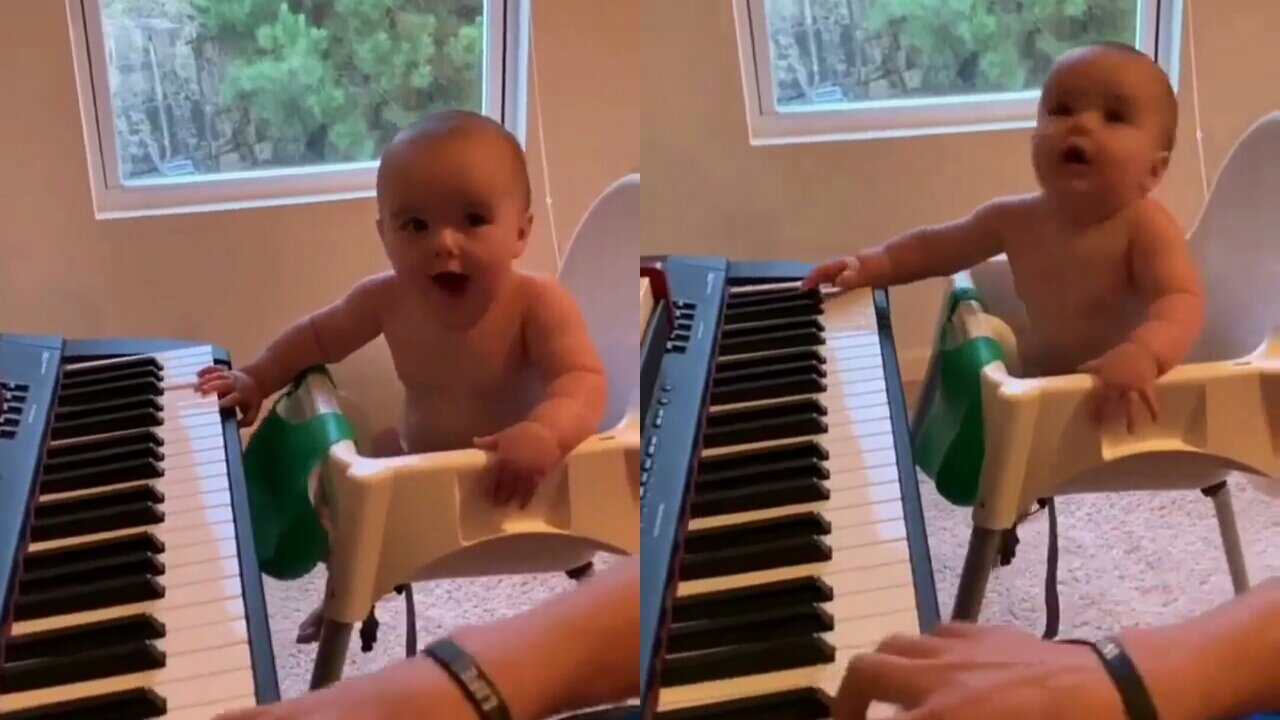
(488, 356)
(1103, 270)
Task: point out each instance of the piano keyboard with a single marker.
(800, 549)
(132, 601)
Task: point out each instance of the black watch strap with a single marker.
(1125, 676)
(460, 666)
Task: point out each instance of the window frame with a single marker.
(1159, 21)
(505, 98)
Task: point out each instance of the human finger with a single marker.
(230, 400)
(823, 274)
(528, 485)
(1148, 396)
(956, 630)
(210, 370)
(249, 414)
(877, 677)
(911, 646)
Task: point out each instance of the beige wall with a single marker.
(235, 278)
(709, 191)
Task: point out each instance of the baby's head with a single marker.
(1106, 125)
(454, 209)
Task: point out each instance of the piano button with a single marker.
(109, 474)
(750, 599)
(118, 390)
(90, 663)
(800, 704)
(71, 640)
(94, 571)
(757, 497)
(89, 596)
(134, 704)
(105, 518)
(102, 424)
(754, 557)
(777, 623)
(52, 561)
(746, 660)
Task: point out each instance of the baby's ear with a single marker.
(522, 233)
(1159, 166)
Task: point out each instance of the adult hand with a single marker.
(976, 672)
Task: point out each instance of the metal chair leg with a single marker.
(332, 654)
(984, 549)
(1230, 533)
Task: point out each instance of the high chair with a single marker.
(393, 521)
(1000, 443)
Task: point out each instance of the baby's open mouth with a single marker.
(451, 283)
(1075, 155)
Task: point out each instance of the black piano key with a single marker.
(74, 574)
(108, 474)
(772, 341)
(793, 406)
(67, 641)
(111, 407)
(798, 384)
(91, 457)
(132, 507)
(750, 599)
(800, 704)
(135, 704)
(90, 663)
(55, 560)
(777, 623)
(122, 365)
(89, 596)
(91, 393)
(103, 424)
(771, 298)
(773, 311)
(744, 660)
(760, 496)
(768, 474)
(755, 557)
(776, 428)
(782, 357)
(729, 332)
(780, 455)
(728, 537)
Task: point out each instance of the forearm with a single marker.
(1222, 664)
(294, 350)
(573, 408)
(576, 650)
(1171, 329)
(918, 255)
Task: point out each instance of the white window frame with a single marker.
(1159, 34)
(505, 100)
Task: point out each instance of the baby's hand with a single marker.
(236, 389)
(526, 453)
(1128, 373)
(844, 273)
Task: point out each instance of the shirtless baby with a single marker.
(487, 355)
(1103, 270)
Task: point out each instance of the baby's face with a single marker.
(1102, 135)
(453, 218)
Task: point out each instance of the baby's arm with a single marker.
(1165, 273)
(939, 250)
(326, 336)
(560, 347)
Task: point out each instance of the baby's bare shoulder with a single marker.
(543, 296)
(375, 292)
(1151, 222)
(1012, 212)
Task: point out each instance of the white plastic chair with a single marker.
(1220, 411)
(393, 521)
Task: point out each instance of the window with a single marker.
(200, 104)
(840, 69)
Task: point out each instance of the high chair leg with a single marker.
(334, 638)
(984, 549)
(1231, 545)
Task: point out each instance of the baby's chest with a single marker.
(1071, 272)
(445, 364)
